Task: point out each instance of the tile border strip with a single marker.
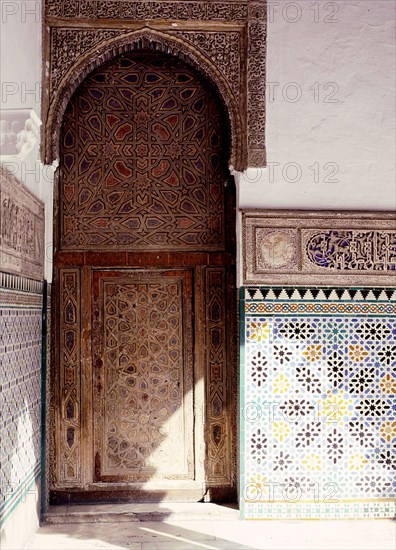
(9, 281)
(319, 294)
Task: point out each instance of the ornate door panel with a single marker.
(143, 376)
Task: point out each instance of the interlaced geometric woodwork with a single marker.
(141, 159)
(143, 385)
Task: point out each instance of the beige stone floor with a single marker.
(211, 530)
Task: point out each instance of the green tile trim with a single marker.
(44, 326)
(19, 494)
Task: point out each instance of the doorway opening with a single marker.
(144, 378)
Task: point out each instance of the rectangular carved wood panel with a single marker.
(143, 376)
(69, 412)
(218, 412)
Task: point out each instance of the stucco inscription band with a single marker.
(319, 247)
(353, 250)
(214, 37)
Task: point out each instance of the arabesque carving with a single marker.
(352, 250)
(196, 10)
(215, 37)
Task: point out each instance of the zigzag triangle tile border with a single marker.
(329, 294)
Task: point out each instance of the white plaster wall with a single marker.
(346, 119)
(20, 56)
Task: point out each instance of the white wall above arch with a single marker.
(330, 128)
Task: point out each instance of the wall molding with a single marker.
(328, 294)
(319, 248)
(9, 281)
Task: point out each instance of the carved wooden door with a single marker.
(144, 381)
(143, 376)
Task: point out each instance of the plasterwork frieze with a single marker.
(21, 228)
(319, 248)
(234, 10)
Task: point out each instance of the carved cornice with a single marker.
(319, 248)
(214, 37)
(9, 281)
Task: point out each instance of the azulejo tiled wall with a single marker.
(318, 412)
(21, 328)
(20, 391)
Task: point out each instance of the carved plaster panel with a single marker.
(276, 249)
(223, 49)
(21, 228)
(234, 10)
(319, 248)
(214, 37)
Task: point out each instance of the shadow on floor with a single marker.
(118, 529)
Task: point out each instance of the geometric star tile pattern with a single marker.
(318, 405)
(20, 392)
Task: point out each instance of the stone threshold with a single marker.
(117, 513)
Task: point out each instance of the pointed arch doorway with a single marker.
(144, 378)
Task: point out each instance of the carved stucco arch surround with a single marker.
(136, 40)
